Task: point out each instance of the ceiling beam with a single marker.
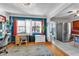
(58, 9)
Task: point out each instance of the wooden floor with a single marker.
(55, 50)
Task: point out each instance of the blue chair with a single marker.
(76, 39)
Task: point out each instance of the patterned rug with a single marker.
(32, 50)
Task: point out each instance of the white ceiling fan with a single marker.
(74, 12)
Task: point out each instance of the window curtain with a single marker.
(15, 27)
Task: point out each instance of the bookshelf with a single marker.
(2, 27)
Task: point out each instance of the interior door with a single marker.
(59, 31)
(52, 30)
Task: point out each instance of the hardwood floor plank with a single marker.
(55, 50)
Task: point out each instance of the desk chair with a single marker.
(3, 44)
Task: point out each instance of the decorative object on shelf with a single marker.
(2, 18)
(8, 26)
(2, 26)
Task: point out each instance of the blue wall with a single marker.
(32, 18)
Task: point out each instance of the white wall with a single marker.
(52, 30)
(48, 29)
(2, 12)
(50, 25)
(61, 20)
(65, 19)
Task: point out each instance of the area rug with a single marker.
(32, 50)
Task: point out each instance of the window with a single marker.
(21, 26)
(36, 26)
(24, 26)
(28, 26)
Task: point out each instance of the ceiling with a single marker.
(40, 9)
(71, 7)
(29, 9)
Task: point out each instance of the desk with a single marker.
(18, 38)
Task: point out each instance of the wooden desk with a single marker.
(18, 38)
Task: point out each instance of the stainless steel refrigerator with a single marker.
(63, 31)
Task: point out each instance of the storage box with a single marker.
(39, 38)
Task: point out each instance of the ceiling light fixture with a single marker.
(77, 13)
(27, 4)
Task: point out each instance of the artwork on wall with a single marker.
(75, 27)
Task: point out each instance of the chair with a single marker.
(23, 39)
(3, 44)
